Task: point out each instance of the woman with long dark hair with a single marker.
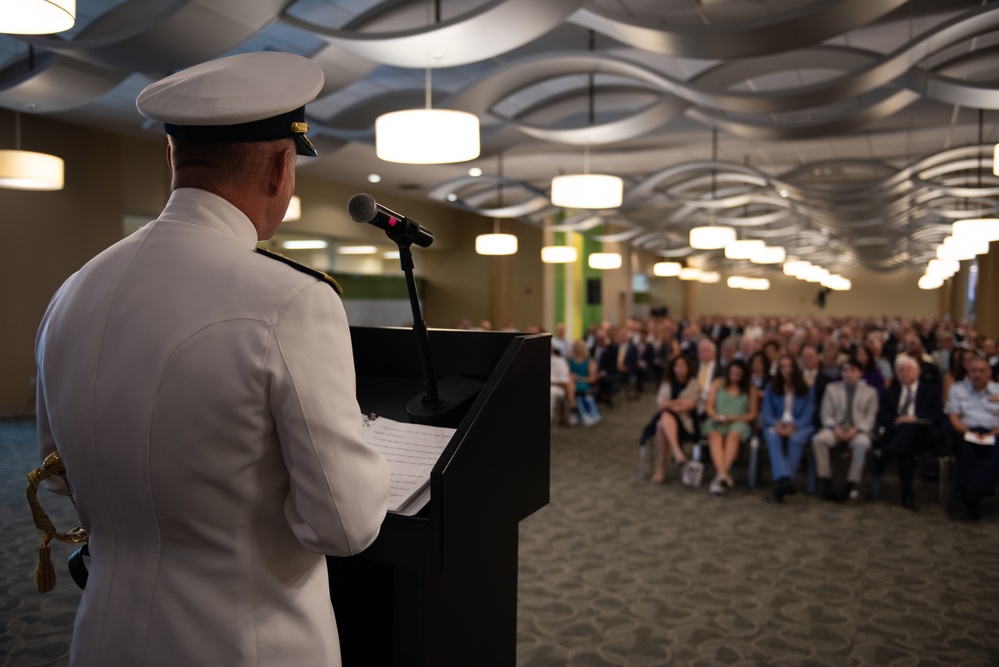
(786, 417)
(731, 411)
(676, 400)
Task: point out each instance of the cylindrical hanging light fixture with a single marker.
(666, 269)
(589, 191)
(559, 254)
(795, 267)
(604, 260)
(942, 268)
(743, 249)
(709, 277)
(586, 190)
(427, 136)
(986, 229)
(36, 17)
(689, 273)
(768, 255)
(24, 170)
(930, 282)
(711, 237)
(496, 244)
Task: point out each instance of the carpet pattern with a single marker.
(617, 571)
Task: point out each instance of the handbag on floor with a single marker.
(693, 473)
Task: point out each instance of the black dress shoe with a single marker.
(789, 488)
(778, 492)
(972, 500)
(909, 501)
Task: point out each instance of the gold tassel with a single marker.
(45, 574)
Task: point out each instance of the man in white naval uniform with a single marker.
(202, 398)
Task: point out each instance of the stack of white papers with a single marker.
(411, 451)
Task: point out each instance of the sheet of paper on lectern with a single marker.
(411, 451)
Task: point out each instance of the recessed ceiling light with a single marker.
(452, 196)
(357, 250)
(374, 178)
(475, 172)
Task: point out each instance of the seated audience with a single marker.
(560, 342)
(810, 370)
(927, 369)
(647, 365)
(563, 392)
(708, 369)
(786, 420)
(848, 412)
(991, 353)
(869, 369)
(730, 414)
(875, 343)
(831, 359)
(759, 371)
(973, 408)
(674, 424)
(616, 365)
(911, 414)
(583, 371)
(957, 371)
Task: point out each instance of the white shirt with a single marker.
(560, 370)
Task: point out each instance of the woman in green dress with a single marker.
(731, 414)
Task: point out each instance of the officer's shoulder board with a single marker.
(298, 266)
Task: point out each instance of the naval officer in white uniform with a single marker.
(202, 398)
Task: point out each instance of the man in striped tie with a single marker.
(911, 414)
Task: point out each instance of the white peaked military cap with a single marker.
(247, 97)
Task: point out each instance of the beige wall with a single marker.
(49, 235)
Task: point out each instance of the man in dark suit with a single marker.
(612, 365)
(911, 414)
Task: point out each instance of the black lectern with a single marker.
(440, 588)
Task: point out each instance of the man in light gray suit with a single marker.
(848, 412)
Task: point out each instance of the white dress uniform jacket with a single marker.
(202, 397)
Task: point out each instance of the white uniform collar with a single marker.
(200, 207)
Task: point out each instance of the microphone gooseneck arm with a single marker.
(431, 398)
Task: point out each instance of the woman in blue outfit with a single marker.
(786, 417)
(583, 371)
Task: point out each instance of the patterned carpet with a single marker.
(617, 571)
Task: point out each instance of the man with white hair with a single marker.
(911, 414)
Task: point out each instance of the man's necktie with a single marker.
(906, 401)
(848, 415)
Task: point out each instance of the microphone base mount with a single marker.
(455, 394)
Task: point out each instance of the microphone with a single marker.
(362, 207)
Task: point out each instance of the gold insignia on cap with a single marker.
(299, 127)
